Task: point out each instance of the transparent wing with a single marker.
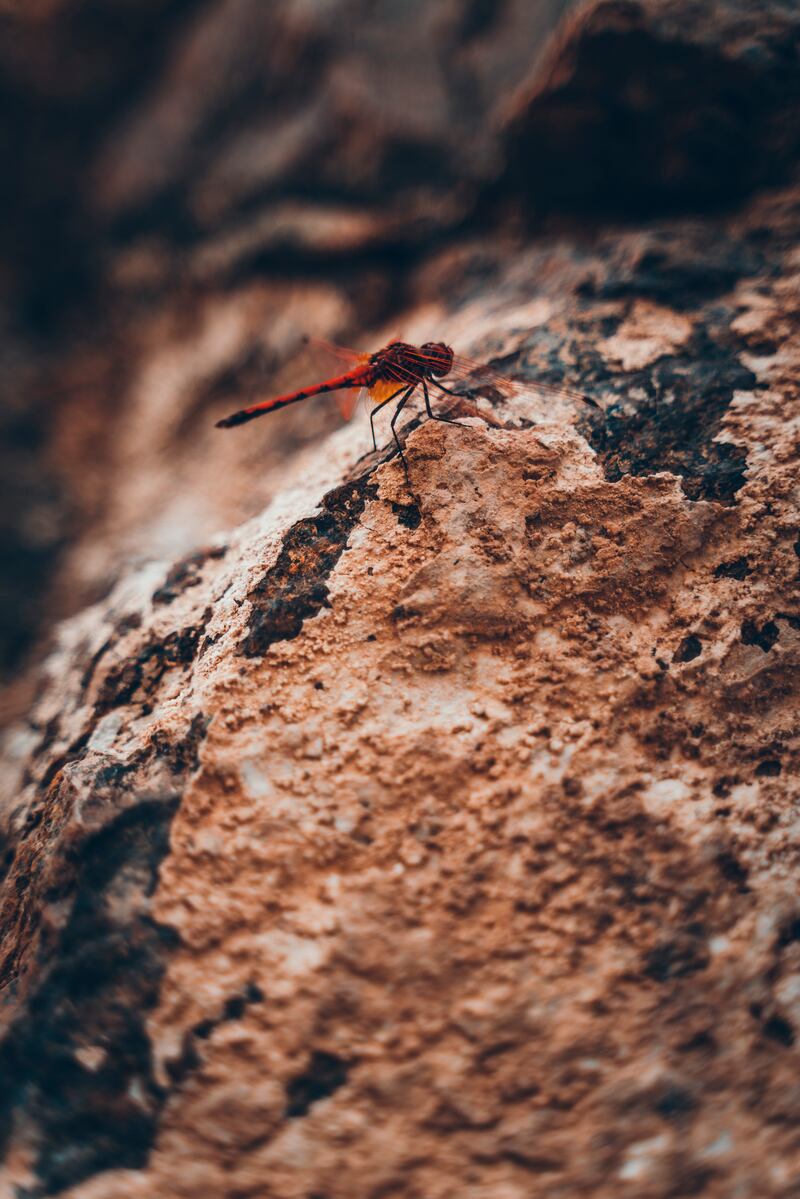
(475, 378)
(343, 353)
(348, 402)
(471, 378)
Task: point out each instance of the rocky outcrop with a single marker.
(433, 835)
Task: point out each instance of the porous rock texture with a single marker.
(436, 837)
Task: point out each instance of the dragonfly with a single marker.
(396, 372)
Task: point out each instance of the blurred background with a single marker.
(192, 186)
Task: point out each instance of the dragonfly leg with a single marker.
(377, 409)
(403, 401)
(448, 420)
(447, 391)
(426, 394)
(400, 406)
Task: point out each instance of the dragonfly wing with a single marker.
(473, 378)
(476, 378)
(348, 401)
(383, 389)
(344, 353)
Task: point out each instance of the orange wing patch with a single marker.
(383, 388)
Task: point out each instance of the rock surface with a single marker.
(437, 838)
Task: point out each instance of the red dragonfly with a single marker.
(396, 371)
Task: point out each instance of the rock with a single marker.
(429, 835)
(367, 842)
(645, 106)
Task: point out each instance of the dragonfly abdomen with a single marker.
(362, 377)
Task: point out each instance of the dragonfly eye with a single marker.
(439, 357)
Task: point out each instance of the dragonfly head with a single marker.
(439, 358)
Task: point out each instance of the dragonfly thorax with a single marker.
(439, 358)
(402, 361)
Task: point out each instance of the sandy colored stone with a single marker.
(476, 821)
(428, 838)
(649, 332)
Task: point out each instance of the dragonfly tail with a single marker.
(356, 378)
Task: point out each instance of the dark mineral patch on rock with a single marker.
(141, 672)
(690, 648)
(185, 574)
(324, 1075)
(737, 569)
(408, 515)
(667, 419)
(77, 1060)
(295, 588)
(676, 958)
(183, 755)
(764, 636)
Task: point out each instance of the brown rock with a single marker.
(375, 844)
(648, 105)
(428, 836)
